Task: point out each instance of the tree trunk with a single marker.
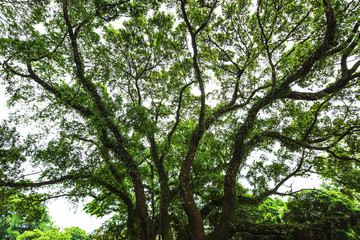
(132, 224)
(192, 211)
(223, 230)
(164, 222)
(229, 204)
(146, 229)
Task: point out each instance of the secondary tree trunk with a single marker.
(192, 211)
(223, 230)
(146, 229)
(164, 221)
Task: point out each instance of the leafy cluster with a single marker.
(15, 224)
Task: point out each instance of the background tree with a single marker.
(315, 206)
(37, 234)
(320, 214)
(76, 233)
(12, 224)
(165, 110)
(73, 233)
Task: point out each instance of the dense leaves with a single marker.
(17, 220)
(21, 223)
(182, 117)
(72, 233)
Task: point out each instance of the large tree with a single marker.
(163, 110)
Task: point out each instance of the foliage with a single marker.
(76, 233)
(73, 233)
(312, 206)
(315, 206)
(113, 228)
(14, 221)
(309, 210)
(37, 234)
(183, 118)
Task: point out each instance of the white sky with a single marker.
(66, 215)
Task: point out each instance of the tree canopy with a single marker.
(16, 221)
(179, 114)
(73, 233)
(31, 221)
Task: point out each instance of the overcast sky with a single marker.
(66, 215)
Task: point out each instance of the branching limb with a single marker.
(124, 196)
(239, 69)
(195, 55)
(346, 77)
(293, 143)
(231, 106)
(308, 131)
(80, 71)
(177, 117)
(321, 52)
(33, 76)
(266, 43)
(84, 139)
(29, 184)
(98, 101)
(294, 173)
(297, 25)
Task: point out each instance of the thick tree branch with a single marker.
(91, 89)
(321, 52)
(32, 75)
(196, 66)
(313, 96)
(346, 77)
(29, 184)
(124, 196)
(311, 127)
(106, 123)
(246, 128)
(293, 143)
(80, 71)
(185, 187)
(294, 173)
(177, 116)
